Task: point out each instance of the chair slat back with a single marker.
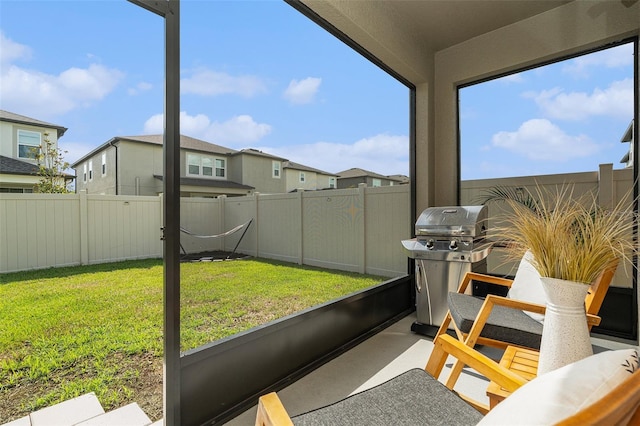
(598, 290)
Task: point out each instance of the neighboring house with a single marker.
(301, 177)
(132, 165)
(628, 137)
(20, 138)
(353, 177)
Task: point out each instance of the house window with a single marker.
(104, 164)
(193, 164)
(220, 168)
(28, 144)
(302, 177)
(376, 182)
(332, 182)
(16, 190)
(207, 167)
(90, 170)
(275, 167)
(84, 173)
(200, 165)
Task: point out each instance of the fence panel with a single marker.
(38, 231)
(201, 216)
(280, 227)
(387, 223)
(123, 227)
(239, 210)
(333, 229)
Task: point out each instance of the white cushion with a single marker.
(561, 393)
(527, 286)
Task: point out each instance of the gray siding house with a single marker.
(19, 136)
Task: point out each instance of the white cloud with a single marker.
(303, 91)
(11, 51)
(615, 57)
(384, 154)
(615, 101)
(236, 131)
(45, 95)
(205, 82)
(539, 139)
(143, 86)
(512, 78)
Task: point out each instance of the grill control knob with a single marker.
(430, 244)
(453, 245)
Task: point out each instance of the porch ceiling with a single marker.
(400, 32)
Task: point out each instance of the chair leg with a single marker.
(471, 339)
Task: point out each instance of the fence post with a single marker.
(222, 226)
(605, 186)
(84, 238)
(301, 238)
(256, 223)
(363, 242)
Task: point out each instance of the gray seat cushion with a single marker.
(412, 398)
(504, 324)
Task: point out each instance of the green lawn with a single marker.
(68, 331)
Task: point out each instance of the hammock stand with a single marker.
(229, 232)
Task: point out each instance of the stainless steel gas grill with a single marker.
(450, 241)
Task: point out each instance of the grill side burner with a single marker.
(449, 242)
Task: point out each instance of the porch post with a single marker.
(170, 11)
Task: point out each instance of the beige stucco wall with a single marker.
(101, 185)
(256, 172)
(142, 161)
(567, 30)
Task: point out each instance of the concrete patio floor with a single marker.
(392, 351)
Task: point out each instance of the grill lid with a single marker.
(467, 221)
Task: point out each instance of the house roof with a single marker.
(628, 134)
(357, 172)
(257, 152)
(12, 166)
(298, 166)
(186, 142)
(22, 119)
(212, 183)
(400, 178)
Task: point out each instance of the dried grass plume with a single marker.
(570, 238)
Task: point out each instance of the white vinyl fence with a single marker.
(348, 229)
(356, 229)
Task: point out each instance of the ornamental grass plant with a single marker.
(571, 238)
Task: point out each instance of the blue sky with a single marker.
(255, 74)
(564, 117)
(258, 74)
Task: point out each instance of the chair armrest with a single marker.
(469, 276)
(445, 345)
(271, 412)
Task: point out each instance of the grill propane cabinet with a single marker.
(450, 241)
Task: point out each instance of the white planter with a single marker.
(565, 334)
